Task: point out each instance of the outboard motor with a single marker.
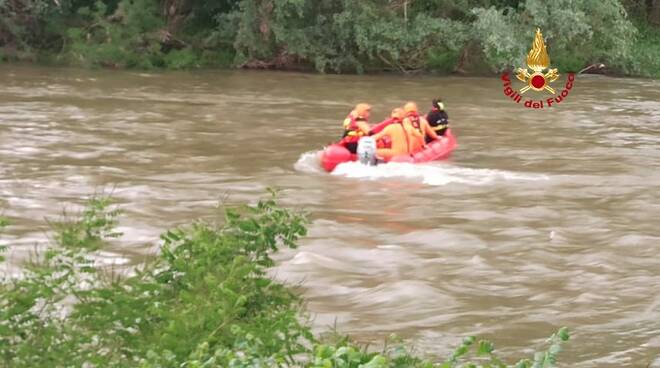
(366, 151)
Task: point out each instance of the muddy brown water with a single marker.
(540, 219)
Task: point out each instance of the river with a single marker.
(540, 219)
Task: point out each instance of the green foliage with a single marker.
(3, 224)
(181, 59)
(25, 24)
(206, 301)
(547, 358)
(499, 32)
(595, 31)
(344, 354)
(338, 35)
(32, 308)
(578, 33)
(646, 52)
(221, 58)
(333, 35)
(442, 60)
(206, 295)
(486, 357)
(127, 39)
(95, 224)
(341, 35)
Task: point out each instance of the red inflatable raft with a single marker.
(336, 154)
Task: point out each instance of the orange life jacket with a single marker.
(382, 125)
(401, 136)
(413, 116)
(405, 134)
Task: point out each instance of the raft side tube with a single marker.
(441, 148)
(435, 150)
(334, 155)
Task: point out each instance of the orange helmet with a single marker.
(410, 107)
(397, 113)
(362, 108)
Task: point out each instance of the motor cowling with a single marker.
(366, 151)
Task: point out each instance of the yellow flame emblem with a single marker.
(537, 60)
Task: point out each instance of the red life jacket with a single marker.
(351, 130)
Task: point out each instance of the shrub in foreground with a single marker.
(204, 301)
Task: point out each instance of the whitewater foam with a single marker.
(431, 174)
(437, 173)
(309, 162)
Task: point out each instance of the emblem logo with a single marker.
(539, 79)
(537, 60)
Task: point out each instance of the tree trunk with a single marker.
(654, 12)
(175, 13)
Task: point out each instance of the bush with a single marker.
(646, 52)
(442, 60)
(578, 33)
(337, 35)
(181, 59)
(221, 59)
(330, 36)
(127, 39)
(208, 288)
(3, 224)
(205, 301)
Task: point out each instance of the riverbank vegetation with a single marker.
(203, 301)
(463, 36)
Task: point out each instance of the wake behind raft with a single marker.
(336, 154)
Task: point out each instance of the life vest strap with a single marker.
(405, 134)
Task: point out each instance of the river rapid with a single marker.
(541, 218)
